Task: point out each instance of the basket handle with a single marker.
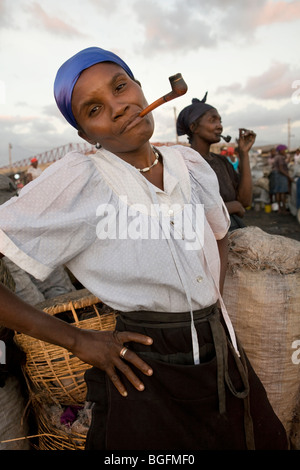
(74, 314)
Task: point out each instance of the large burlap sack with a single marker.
(13, 426)
(13, 423)
(262, 296)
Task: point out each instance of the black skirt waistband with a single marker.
(152, 319)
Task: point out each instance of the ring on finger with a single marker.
(123, 352)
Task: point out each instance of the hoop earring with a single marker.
(98, 146)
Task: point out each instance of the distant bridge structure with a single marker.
(46, 158)
(50, 156)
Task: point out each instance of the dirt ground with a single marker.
(274, 223)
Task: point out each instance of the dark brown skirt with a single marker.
(219, 404)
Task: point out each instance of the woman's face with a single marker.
(106, 104)
(209, 126)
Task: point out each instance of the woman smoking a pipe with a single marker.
(172, 375)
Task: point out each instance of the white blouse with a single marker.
(131, 244)
(59, 219)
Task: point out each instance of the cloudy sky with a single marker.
(246, 54)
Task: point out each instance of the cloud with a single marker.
(279, 12)
(172, 29)
(196, 24)
(253, 13)
(52, 24)
(53, 111)
(5, 16)
(274, 83)
(109, 7)
(31, 135)
(256, 115)
(10, 121)
(30, 124)
(270, 125)
(233, 88)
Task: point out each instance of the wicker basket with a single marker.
(52, 435)
(55, 439)
(53, 372)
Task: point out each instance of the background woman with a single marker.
(202, 124)
(282, 179)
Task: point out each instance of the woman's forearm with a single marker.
(235, 207)
(284, 172)
(245, 186)
(223, 253)
(17, 315)
(97, 348)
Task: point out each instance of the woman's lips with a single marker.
(131, 123)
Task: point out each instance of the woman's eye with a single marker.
(94, 110)
(120, 86)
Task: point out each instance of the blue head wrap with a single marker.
(69, 72)
(190, 114)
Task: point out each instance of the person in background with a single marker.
(33, 171)
(232, 158)
(271, 157)
(297, 157)
(8, 188)
(202, 124)
(271, 177)
(295, 169)
(282, 179)
(172, 375)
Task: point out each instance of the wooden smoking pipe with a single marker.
(227, 138)
(179, 88)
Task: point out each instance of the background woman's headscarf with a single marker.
(281, 147)
(70, 71)
(190, 114)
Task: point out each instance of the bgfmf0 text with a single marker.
(171, 459)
